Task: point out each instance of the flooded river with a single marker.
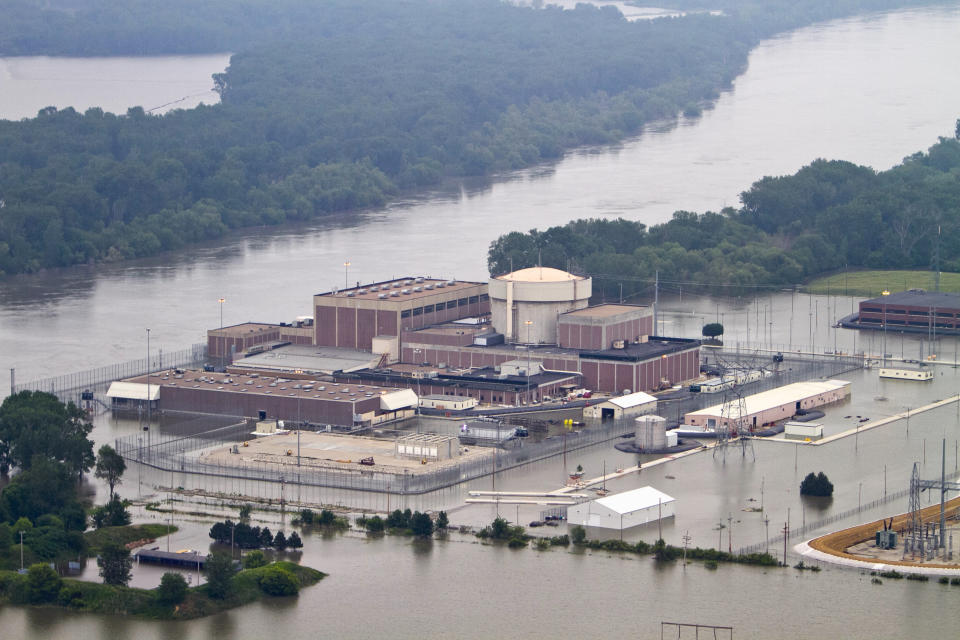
(870, 89)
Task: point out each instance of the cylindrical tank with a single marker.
(651, 433)
(525, 304)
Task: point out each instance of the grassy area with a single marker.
(871, 283)
(124, 535)
(100, 598)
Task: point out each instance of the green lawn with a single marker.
(873, 283)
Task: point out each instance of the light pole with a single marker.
(224, 347)
(148, 378)
(417, 352)
(346, 274)
(529, 323)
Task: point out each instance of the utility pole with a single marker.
(730, 533)
(686, 541)
(223, 349)
(148, 378)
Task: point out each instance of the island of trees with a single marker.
(828, 216)
(336, 105)
(43, 527)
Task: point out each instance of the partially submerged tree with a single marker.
(110, 466)
(712, 330)
(816, 485)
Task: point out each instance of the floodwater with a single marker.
(867, 89)
(156, 83)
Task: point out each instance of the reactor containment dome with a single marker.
(526, 304)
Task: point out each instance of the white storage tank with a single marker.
(651, 433)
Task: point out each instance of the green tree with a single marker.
(421, 525)
(500, 529)
(172, 589)
(294, 541)
(254, 560)
(35, 425)
(374, 524)
(220, 570)
(110, 466)
(43, 583)
(277, 581)
(280, 541)
(442, 521)
(816, 485)
(245, 511)
(112, 514)
(712, 330)
(115, 564)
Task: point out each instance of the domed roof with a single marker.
(539, 274)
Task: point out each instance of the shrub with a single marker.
(516, 543)
(306, 516)
(542, 544)
(442, 521)
(245, 511)
(374, 524)
(560, 541)
(326, 518)
(172, 589)
(254, 560)
(43, 583)
(710, 564)
(276, 581)
(578, 534)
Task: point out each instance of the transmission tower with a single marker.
(733, 424)
(916, 521)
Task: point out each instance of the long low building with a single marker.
(770, 406)
(301, 400)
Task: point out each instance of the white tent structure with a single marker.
(623, 510)
(133, 395)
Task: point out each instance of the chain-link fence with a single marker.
(70, 385)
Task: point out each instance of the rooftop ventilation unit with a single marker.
(396, 285)
(407, 282)
(428, 287)
(394, 294)
(374, 288)
(361, 291)
(382, 296)
(418, 289)
(350, 294)
(405, 292)
(441, 285)
(451, 282)
(420, 279)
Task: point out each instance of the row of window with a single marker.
(451, 304)
(913, 323)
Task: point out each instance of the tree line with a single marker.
(330, 106)
(828, 216)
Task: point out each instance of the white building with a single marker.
(628, 406)
(623, 510)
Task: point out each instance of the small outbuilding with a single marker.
(623, 510)
(133, 396)
(627, 406)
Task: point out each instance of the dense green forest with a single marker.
(830, 215)
(336, 105)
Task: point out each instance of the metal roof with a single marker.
(775, 397)
(632, 400)
(133, 390)
(635, 500)
(309, 359)
(919, 298)
(398, 400)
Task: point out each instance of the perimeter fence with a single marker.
(69, 386)
(805, 529)
(190, 455)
